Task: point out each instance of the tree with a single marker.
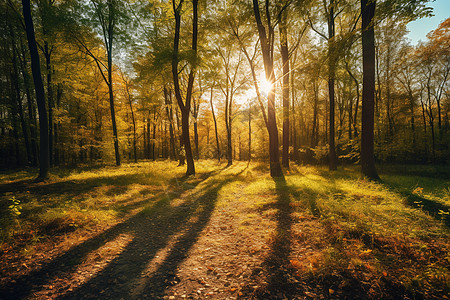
(48, 21)
(368, 93)
(39, 89)
(215, 121)
(185, 106)
(107, 16)
(331, 15)
(266, 39)
(129, 97)
(284, 50)
(229, 89)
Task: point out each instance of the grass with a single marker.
(330, 229)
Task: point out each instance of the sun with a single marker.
(266, 86)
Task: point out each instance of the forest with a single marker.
(235, 149)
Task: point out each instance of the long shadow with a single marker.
(160, 222)
(438, 210)
(128, 271)
(280, 282)
(76, 191)
(69, 190)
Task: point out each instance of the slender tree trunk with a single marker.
(228, 122)
(144, 134)
(249, 133)
(182, 153)
(389, 102)
(130, 102)
(153, 144)
(50, 101)
(215, 123)
(411, 107)
(169, 113)
(431, 118)
(31, 107)
(150, 126)
(331, 77)
(355, 117)
(195, 115)
(423, 114)
(315, 113)
(229, 146)
(438, 96)
(368, 51)
(111, 103)
(39, 87)
(56, 146)
(284, 49)
(350, 113)
(294, 118)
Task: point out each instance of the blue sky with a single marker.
(420, 28)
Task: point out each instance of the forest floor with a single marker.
(145, 231)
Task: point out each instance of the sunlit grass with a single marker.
(338, 221)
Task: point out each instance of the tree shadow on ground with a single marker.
(152, 230)
(438, 210)
(284, 280)
(280, 283)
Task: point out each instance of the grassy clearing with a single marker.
(315, 233)
(77, 200)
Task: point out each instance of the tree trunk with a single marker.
(169, 112)
(411, 107)
(31, 107)
(294, 118)
(130, 102)
(284, 49)
(149, 143)
(355, 117)
(431, 118)
(229, 147)
(186, 106)
(187, 143)
(39, 87)
(56, 146)
(315, 113)
(47, 55)
(215, 123)
(153, 143)
(228, 123)
(196, 108)
(111, 100)
(368, 51)
(331, 76)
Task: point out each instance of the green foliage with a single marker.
(403, 9)
(15, 207)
